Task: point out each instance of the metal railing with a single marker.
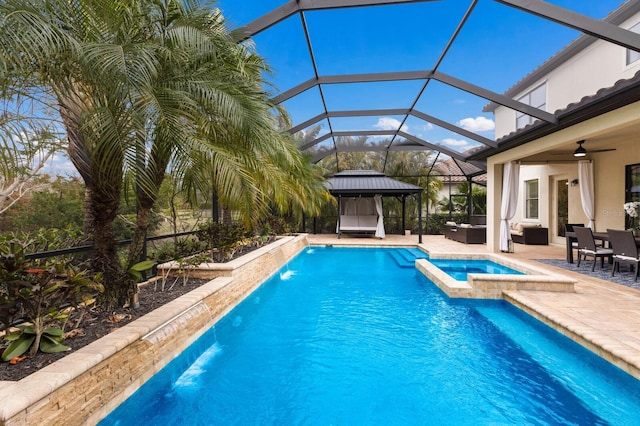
(89, 247)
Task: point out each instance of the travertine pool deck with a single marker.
(600, 315)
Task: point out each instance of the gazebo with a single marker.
(369, 183)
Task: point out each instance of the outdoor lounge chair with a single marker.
(624, 250)
(587, 247)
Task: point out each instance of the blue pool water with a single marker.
(459, 268)
(345, 336)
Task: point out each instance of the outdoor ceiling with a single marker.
(387, 76)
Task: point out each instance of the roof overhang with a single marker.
(623, 93)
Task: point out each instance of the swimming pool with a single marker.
(459, 268)
(343, 336)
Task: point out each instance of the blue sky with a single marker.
(497, 47)
(406, 37)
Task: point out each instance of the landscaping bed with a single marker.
(97, 324)
(94, 323)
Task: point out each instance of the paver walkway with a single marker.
(600, 315)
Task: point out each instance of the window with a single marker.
(632, 189)
(531, 206)
(536, 98)
(632, 55)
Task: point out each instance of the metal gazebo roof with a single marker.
(354, 183)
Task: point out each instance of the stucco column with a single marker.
(494, 191)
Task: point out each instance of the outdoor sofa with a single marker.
(358, 224)
(529, 233)
(466, 233)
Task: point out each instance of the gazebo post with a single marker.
(404, 197)
(469, 199)
(420, 217)
(339, 213)
(427, 209)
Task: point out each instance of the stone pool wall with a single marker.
(492, 286)
(88, 384)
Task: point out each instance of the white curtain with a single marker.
(350, 207)
(365, 206)
(510, 182)
(380, 227)
(587, 191)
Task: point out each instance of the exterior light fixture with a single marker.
(574, 182)
(580, 151)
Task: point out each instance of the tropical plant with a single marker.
(137, 271)
(48, 340)
(40, 294)
(139, 86)
(459, 200)
(220, 236)
(478, 198)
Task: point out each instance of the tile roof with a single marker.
(622, 93)
(458, 171)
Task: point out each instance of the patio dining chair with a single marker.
(587, 247)
(624, 250)
(568, 227)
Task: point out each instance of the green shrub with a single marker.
(276, 225)
(220, 236)
(176, 248)
(39, 292)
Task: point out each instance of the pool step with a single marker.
(417, 253)
(406, 258)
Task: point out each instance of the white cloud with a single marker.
(478, 124)
(388, 123)
(60, 164)
(454, 142)
(427, 127)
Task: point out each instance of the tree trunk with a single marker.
(226, 216)
(146, 201)
(104, 208)
(101, 168)
(137, 241)
(89, 219)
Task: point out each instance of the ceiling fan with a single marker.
(582, 151)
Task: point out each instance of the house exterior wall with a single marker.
(609, 172)
(598, 66)
(608, 167)
(547, 176)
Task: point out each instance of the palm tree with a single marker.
(459, 200)
(74, 53)
(142, 86)
(478, 198)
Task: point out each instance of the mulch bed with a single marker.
(97, 324)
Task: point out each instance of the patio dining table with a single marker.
(570, 238)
